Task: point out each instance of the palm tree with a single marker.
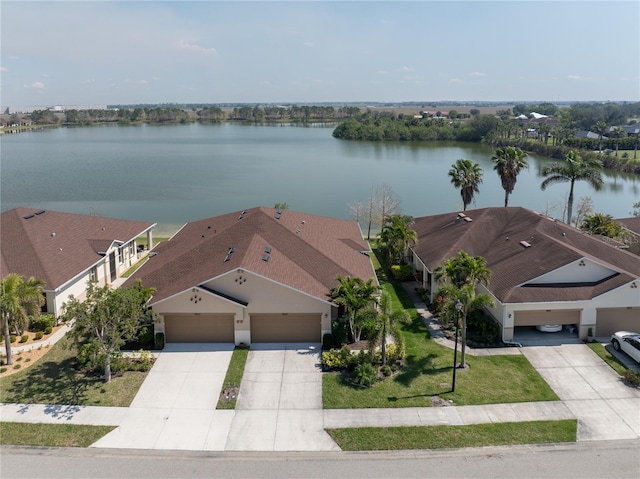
(602, 224)
(467, 176)
(573, 169)
(617, 133)
(397, 236)
(355, 295)
(509, 161)
(600, 128)
(18, 299)
(460, 276)
(387, 320)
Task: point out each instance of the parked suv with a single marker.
(627, 342)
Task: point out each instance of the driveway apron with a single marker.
(605, 407)
(279, 405)
(175, 406)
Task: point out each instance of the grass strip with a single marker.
(444, 437)
(233, 378)
(608, 358)
(54, 379)
(51, 435)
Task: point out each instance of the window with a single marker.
(93, 274)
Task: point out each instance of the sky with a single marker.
(88, 52)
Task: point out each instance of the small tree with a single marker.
(387, 320)
(355, 295)
(397, 236)
(18, 300)
(108, 318)
(460, 276)
(466, 175)
(602, 224)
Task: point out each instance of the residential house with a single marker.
(259, 275)
(68, 250)
(543, 271)
(632, 230)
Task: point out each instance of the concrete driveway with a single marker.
(605, 407)
(279, 406)
(175, 406)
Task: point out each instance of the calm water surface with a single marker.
(178, 173)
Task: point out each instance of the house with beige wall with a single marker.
(67, 250)
(543, 271)
(258, 275)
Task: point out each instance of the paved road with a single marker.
(611, 459)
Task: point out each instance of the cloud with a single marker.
(477, 74)
(309, 44)
(456, 80)
(87, 82)
(382, 72)
(406, 69)
(4, 69)
(36, 84)
(575, 77)
(195, 48)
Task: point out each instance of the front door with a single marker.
(112, 266)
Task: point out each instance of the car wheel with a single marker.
(615, 344)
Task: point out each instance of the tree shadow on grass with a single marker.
(416, 367)
(52, 382)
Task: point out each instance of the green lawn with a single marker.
(441, 437)
(54, 380)
(234, 376)
(50, 435)
(428, 372)
(608, 358)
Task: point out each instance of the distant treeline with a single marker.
(174, 114)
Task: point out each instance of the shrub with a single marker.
(338, 359)
(340, 332)
(17, 366)
(41, 322)
(19, 358)
(395, 352)
(48, 330)
(3, 370)
(159, 341)
(145, 335)
(38, 335)
(369, 329)
(144, 361)
(327, 341)
(402, 272)
(386, 370)
(632, 377)
(365, 374)
(24, 338)
(482, 328)
(13, 338)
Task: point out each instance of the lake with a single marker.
(177, 173)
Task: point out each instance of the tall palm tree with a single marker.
(509, 161)
(397, 236)
(18, 299)
(617, 133)
(467, 176)
(460, 275)
(387, 320)
(573, 169)
(600, 128)
(355, 295)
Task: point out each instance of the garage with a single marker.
(610, 320)
(537, 318)
(285, 328)
(199, 328)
